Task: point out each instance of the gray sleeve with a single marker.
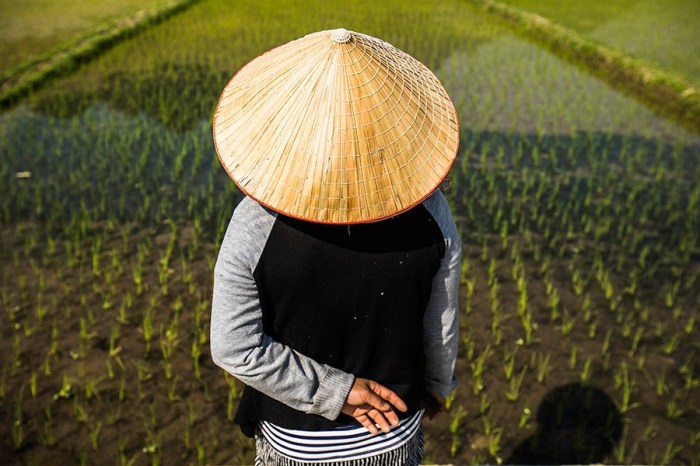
(440, 323)
(238, 342)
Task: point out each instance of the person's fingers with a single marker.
(367, 423)
(367, 395)
(380, 420)
(387, 395)
(392, 417)
(361, 395)
(370, 397)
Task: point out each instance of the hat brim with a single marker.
(330, 132)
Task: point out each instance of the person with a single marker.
(336, 284)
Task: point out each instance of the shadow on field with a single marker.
(576, 425)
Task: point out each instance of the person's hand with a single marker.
(434, 404)
(373, 404)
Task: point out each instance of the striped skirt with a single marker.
(352, 446)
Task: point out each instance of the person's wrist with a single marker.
(332, 393)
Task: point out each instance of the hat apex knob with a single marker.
(341, 35)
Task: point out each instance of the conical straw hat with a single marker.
(336, 127)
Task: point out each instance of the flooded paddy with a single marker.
(578, 208)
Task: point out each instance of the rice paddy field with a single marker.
(579, 210)
(31, 28)
(665, 33)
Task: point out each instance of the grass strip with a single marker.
(669, 94)
(36, 71)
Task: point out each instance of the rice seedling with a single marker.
(92, 387)
(123, 460)
(628, 325)
(670, 292)
(673, 409)
(660, 385)
(513, 392)
(147, 325)
(48, 437)
(587, 370)
(456, 416)
(469, 346)
(234, 394)
(83, 457)
(80, 413)
(200, 448)
(694, 438)
(606, 343)
(671, 344)
(686, 372)
(143, 374)
(578, 282)
(492, 279)
(484, 404)
(172, 390)
(114, 347)
(191, 414)
(137, 274)
(509, 362)
(650, 431)
(592, 329)
(524, 417)
(122, 318)
(32, 383)
(196, 353)
(40, 310)
(529, 326)
(66, 390)
(670, 453)
(487, 422)
(186, 438)
(572, 357)
(543, 366)
(626, 384)
(644, 315)
(122, 388)
(84, 337)
(494, 444)
(152, 447)
(478, 367)
(95, 435)
(553, 295)
(522, 297)
(168, 344)
(18, 432)
(567, 322)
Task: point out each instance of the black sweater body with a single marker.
(351, 297)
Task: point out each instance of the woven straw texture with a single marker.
(336, 127)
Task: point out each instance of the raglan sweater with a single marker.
(300, 309)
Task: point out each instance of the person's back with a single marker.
(338, 328)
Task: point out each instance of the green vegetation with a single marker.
(37, 70)
(33, 28)
(665, 33)
(578, 208)
(667, 92)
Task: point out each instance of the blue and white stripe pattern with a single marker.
(341, 444)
